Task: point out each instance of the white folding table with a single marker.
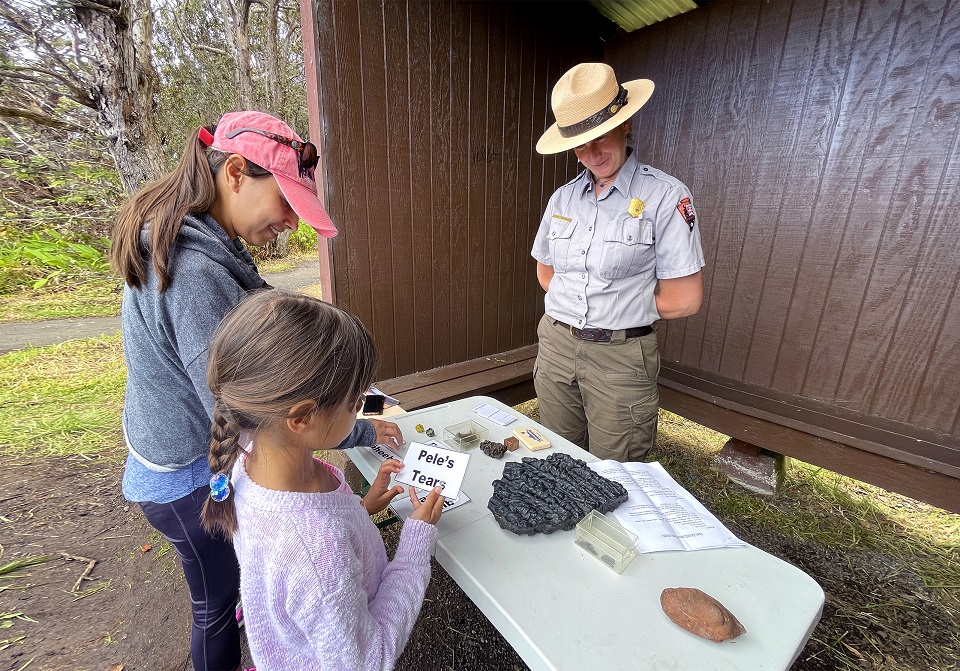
(561, 609)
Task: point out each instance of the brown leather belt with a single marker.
(604, 335)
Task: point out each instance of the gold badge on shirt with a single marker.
(636, 207)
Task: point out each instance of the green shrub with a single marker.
(41, 257)
(301, 241)
(304, 239)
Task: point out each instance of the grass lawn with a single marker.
(98, 297)
(63, 399)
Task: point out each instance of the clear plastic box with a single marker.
(607, 540)
(465, 435)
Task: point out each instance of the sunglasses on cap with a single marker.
(306, 151)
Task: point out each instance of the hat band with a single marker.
(600, 117)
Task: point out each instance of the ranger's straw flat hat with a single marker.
(587, 102)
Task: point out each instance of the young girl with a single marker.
(287, 373)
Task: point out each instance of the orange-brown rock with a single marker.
(700, 614)
(511, 443)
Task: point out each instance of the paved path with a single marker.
(18, 335)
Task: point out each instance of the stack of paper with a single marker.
(501, 417)
(664, 515)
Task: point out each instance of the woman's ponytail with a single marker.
(189, 188)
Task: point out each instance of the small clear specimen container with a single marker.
(605, 539)
(465, 435)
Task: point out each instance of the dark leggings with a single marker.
(212, 572)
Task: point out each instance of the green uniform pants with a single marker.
(600, 396)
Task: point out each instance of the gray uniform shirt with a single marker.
(608, 253)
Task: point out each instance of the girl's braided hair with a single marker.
(274, 350)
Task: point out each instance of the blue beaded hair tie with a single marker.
(219, 487)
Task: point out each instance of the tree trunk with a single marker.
(274, 85)
(124, 84)
(237, 15)
(277, 249)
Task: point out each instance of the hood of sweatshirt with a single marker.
(201, 233)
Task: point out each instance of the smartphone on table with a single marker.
(373, 404)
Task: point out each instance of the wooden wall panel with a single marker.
(821, 268)
(506, 242)
(418, 297)
(903, 203)
(430, 115)
(440, 150)
(928, 231)
(405, 159)
(459, 213)
(820, 140)
(674, 133)
(533, 77)
(811, 147)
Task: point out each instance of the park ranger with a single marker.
(617, 249)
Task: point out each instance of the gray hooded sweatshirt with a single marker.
(169, 408)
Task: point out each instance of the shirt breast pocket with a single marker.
(560, 238)
(627, 248)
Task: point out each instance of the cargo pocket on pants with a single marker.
(645, 409)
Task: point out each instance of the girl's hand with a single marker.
(379, 495)
(388, 433)
(428, 511)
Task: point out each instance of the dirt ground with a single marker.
(132, 613)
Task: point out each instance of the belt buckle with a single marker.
(602, 335)
(594, 335)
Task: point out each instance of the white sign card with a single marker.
(427, 466)
(402, 507)
(401, 503)
(381, 452)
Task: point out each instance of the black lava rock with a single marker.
(493, 449)
(545, 495)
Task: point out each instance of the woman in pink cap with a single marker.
(177, 245)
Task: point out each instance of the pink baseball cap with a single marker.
(272, 144)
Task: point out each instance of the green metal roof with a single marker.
(633, 14)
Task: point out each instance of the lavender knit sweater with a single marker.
(318, 591)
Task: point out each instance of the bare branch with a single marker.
(15, 135)
(212, 50)
(75, 43)
(42, 119)
(25, 74)
(41, 43)
(111, 9)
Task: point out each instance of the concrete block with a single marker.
(757, 470)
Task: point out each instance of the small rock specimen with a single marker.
(545, 495)
(512, 443)
(493, 449)
(431, 433)
(700, 614)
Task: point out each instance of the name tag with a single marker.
(561, 217)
